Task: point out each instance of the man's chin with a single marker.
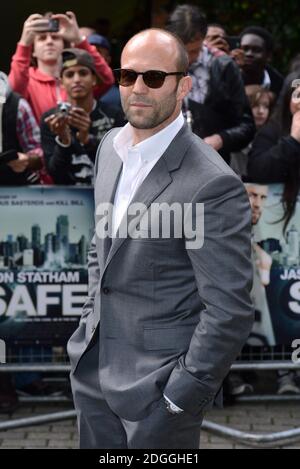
(141, 126)
(140, 123)
(79, 95)
(51, 60)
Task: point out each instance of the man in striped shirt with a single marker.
(20, 138)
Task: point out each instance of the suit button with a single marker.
(106, 290)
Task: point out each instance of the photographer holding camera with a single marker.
(21, 156)
(72, 131)
(42, 41)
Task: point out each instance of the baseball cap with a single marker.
(100, 41)
(73, 56)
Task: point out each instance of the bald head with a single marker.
(161, 44)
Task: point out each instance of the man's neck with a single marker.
(51, 69)
(86, 103)
(142, 134)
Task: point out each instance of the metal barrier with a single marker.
(65, 368)
(258, 440)
(39, 420)
(250, 439)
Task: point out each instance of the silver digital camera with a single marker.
(64, 108)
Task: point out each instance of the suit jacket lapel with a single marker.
(106, 185)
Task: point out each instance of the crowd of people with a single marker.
(61, 97)
(235, 92)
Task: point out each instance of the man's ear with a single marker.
(184, 87)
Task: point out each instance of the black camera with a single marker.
(53, 26)
(8, 156)
(234, 42)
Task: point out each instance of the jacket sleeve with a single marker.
(241, 131)
(223, 273)
(57, 158)
(272, 158)
(19, 70)
(103, 69)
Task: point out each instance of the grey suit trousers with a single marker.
(100, 428)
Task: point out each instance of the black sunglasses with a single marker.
(152, 78)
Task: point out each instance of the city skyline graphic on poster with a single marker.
(45, 229)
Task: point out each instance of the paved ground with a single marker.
(261, 418)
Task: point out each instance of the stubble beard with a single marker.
(160, 112)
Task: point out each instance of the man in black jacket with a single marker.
(72, 132)
(217, 105)
(257, 45)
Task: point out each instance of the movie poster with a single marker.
(276, 259)
(44, 237)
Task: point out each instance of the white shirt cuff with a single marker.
(173, 406)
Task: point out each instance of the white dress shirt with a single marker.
(138, 160)
(266, 81)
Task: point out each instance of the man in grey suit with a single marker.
(165, 318)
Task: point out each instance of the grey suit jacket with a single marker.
(172, 319)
